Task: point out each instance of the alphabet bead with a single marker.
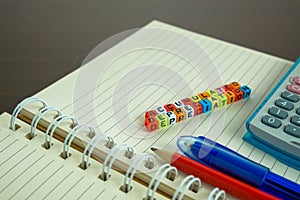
(195, 98)
(150, 113)
(246, 90)
(171, 118)
(203, 95)
(214, 102)
(151, 124)
(206, 105)
(169, 107)
(164, 116)
(222, 100)
(180, 114)
(189, 111)
(186, 101)
(162, 120)
(238, 94)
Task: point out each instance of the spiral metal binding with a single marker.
(113, 154)
(21, 105)
(115, 151)
(38, 116)
(216, 193)
(94, 141)
(71, 135)
(187, 182)
(164, 170)
(134, 166)
(54, 124)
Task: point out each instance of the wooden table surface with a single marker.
(42, 41)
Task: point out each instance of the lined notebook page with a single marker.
(29, 171)
(162, 64)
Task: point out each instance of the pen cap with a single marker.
(281, 187)
(223, 159)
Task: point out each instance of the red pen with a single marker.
(212, 176)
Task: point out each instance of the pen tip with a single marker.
(153, 149)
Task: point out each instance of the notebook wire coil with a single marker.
(57, 121)
(114, 151)
(93, 142)
(149, 162)
(20, 106)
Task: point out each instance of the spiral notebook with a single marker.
(155, 65)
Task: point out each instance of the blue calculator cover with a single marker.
(276, 152)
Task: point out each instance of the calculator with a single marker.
(275, 126)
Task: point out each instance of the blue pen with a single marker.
(225, 160)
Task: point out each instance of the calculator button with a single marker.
(298, 111)
(292, 130)
(284, 104)
(295, 120)
(277, 112)
(271, 121)
(293, 88)
(296, 80)
(290, 96)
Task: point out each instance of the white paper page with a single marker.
(156, 66)
(29, 171)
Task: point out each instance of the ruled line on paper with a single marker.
(8, 145)
(100, 193)
(58, 185)
(46, 181)
(103, 94)
(71, 187)
(86, 190)
(150, 40)
(107, 130)
(115, 135)
(14, 154)
(20, 174)
(109, 97)
(19, 162)
(33, 177)
(3, 139)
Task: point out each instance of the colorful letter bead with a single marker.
(230, 97)
(246, 90)
(203, 95)
(206, 105)
(151, 124)
(222, 100)
(161, 110)
(189, 111)
(195, 98)
(180, 114)
(211, 92)
(169, 107)
(227, 87)
(220, 90)
(178, 104)
(235, 85)
(186, 108)
(186, 101)
(171, 118)
(150, 113)
(214, 102)
(238, 94)
(197, 108)
(162, 120)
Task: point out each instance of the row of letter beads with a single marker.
(211, 99)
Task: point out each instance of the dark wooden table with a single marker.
(41, 41)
